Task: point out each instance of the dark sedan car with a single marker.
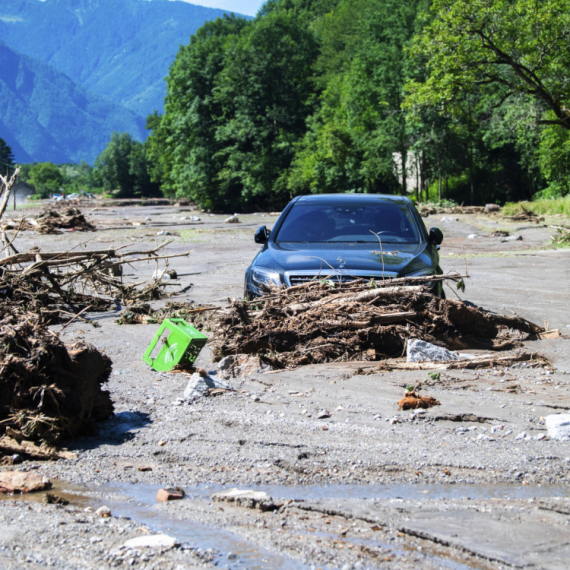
(343, 237)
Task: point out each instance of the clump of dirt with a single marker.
(326, 322)
(52, 221)
(48, 391)
(413, 401)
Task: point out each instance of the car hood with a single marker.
(394, 259)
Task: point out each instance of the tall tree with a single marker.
(123, 165)
(6, 158)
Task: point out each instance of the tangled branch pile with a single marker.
(48, 391)
(525, 215)
(562, 235)
(430, 209)
(51, 221)
(56, 284)
(318, 322)
(144, 314)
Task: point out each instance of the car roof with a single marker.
(361, 198)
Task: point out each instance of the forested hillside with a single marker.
(44, 116)
(466, 100)
(120, 49)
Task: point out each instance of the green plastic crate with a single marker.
(181, 346)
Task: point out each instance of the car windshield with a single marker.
(346, 222)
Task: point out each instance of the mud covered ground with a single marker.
(472, 483)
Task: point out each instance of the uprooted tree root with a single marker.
(48, 391)
(324, 322)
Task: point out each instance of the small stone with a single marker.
(247, 498)
(163, 233)
(472, 236)
(323, 414)
(161, 443)
(103, 512)
(232, 220)
(170, 494)
(95, 539)
(521, 435)
(495, 429)
(422, 351)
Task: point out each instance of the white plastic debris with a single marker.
(558, 426)
(422, 351)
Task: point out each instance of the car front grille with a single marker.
(298, 279)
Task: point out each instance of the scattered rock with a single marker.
(500, 233)
(232, 220)
(103, 512)
(558, 426)
(239, 365)
(22, 482)
(163, 233)
(170, 494)
(199, 386)
(516, 237)
(152, 541)
(248, 499)
(323, 414)
(422, 351)
(521, 435)
(492, 208)
(195, 219)
(472, 236)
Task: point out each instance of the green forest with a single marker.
(445, 100)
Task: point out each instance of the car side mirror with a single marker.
(262, 235)
(435, 236)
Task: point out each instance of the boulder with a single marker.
(249, 499)
(422, 351)
(558, 426)
(199, 386)
(22, 482)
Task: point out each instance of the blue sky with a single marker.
(247, 7)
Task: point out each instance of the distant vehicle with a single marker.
(57, 197)
(344, 237)
(73, 196)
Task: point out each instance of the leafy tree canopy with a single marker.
(6, 158)
(512, 46)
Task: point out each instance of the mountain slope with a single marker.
(45, 116)
(121, 49)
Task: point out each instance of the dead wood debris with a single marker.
(324, 322)
(143, 313)
(57, 286)
(47, 391)
(525, 215)
(426, 210)
(52, 222)
(562, 235)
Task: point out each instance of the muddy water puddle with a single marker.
(234, 551)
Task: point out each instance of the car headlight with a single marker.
(265, 279)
